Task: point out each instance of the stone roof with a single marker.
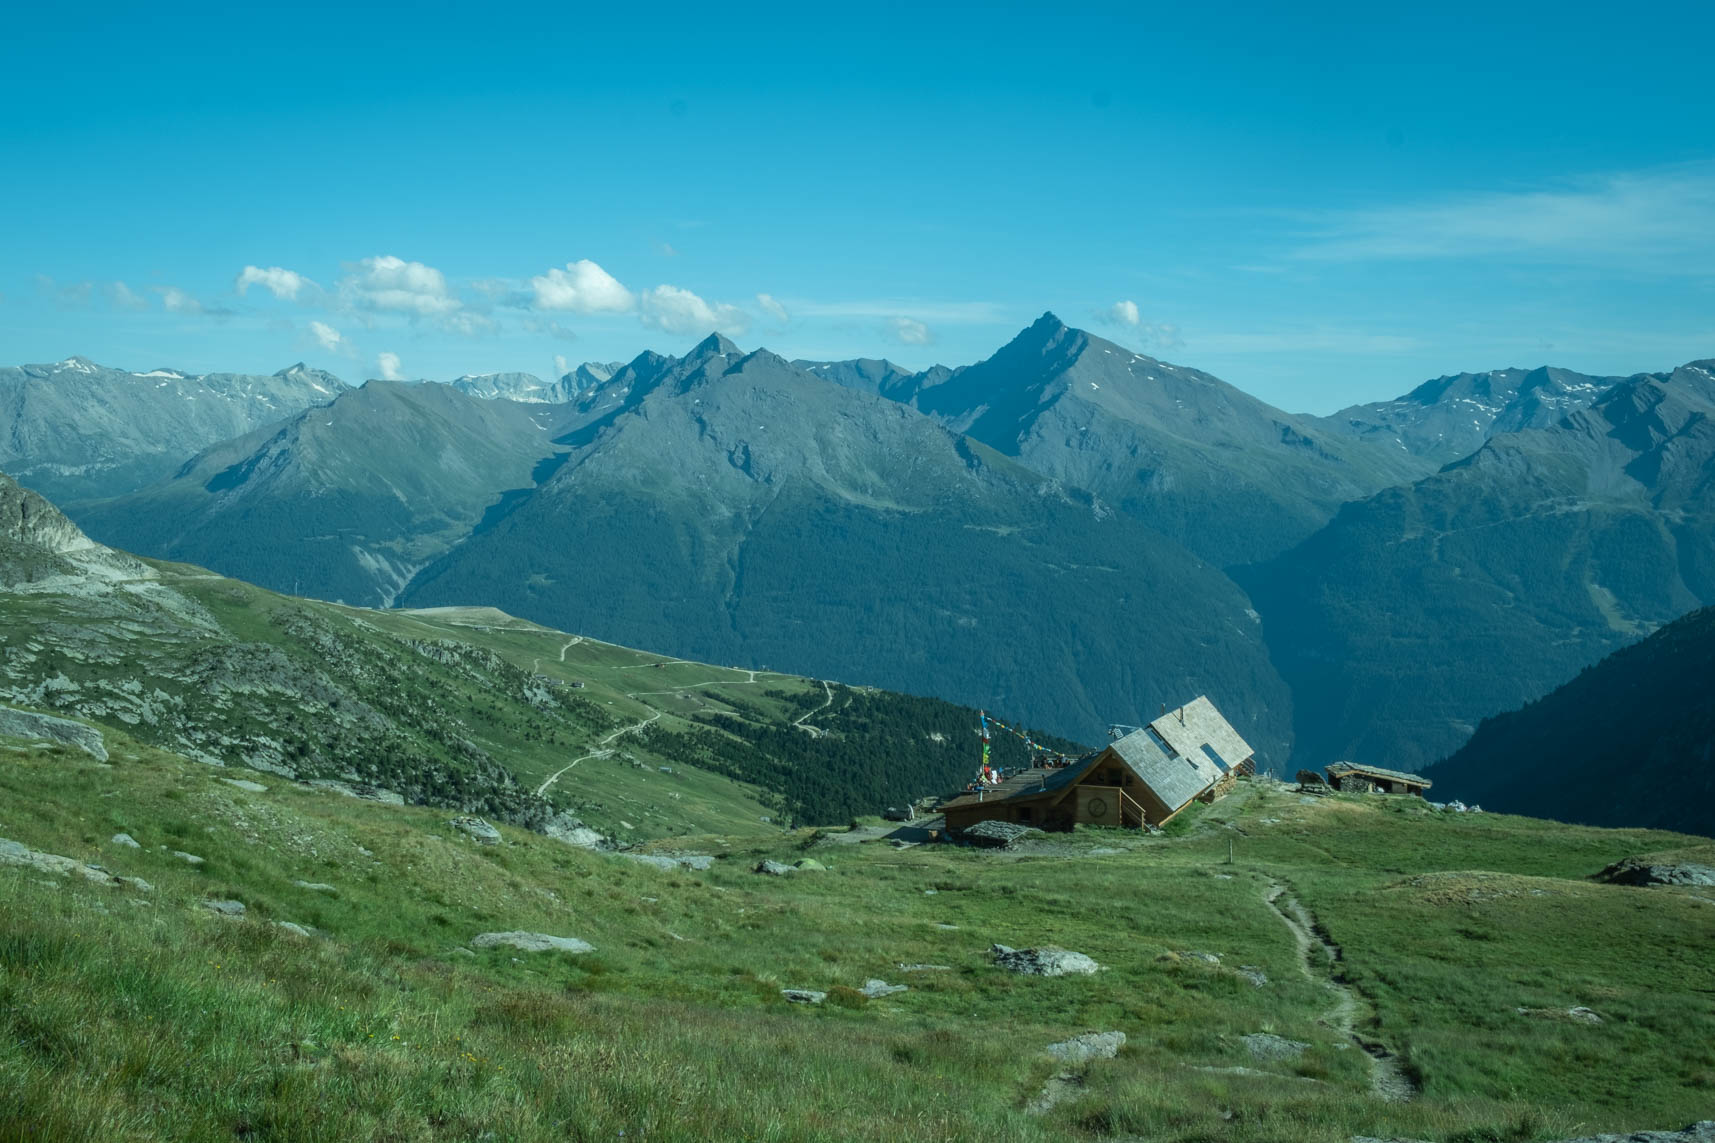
(1343, 768)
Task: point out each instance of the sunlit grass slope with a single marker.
(144, 1015)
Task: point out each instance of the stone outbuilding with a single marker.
(1351, 778)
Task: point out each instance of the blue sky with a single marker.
(1320, 206)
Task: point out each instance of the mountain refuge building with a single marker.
(1144, 778)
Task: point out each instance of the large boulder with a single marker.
(1047, 961)
(1639, 871)
(531, 942)
(28, 724)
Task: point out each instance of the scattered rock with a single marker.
(803, 995)
(1255, 975)
(1578, 1015)
(17, 853)
(1268, 1046)
(531, 942)
(925, 968)
(671, 861)
(315, 886)
(1702, 1132)
(246, 785)
(809, 865)
(28, 724)
(1043, 962)
(187, 858)
(773, 868)
(294, 929)
(1637, 871)
(1058, 1089)
(1205, 957)
(360, 790)
(126, 840)
(876, 989)
(477, 828)
(1089, 1046)
(564, 827)
(226, 908)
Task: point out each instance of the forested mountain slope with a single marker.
(734, 507)
(1630, 741)
(1424, 609)
(343, 502)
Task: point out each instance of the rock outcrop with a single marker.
(28, 724)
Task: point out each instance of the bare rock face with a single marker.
(27, 724)
(1043, 962)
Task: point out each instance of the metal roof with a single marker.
(1198, 724)
(1027, 783)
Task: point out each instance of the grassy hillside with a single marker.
(468, 708)
(384, 1023)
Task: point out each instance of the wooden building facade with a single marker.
(1144, 778)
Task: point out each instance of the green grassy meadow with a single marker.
(131, 1015)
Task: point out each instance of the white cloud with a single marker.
(388, 363)
(392, 285)
(772, 307)
(910, 331)
(1120, 313)
(125, 298)
(680, 311)
(282, 283)
(177, 301)
(328, 337)
(582, 287)
(561, 365)
(1148, 334)
(1657, 220)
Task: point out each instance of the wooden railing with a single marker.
(1131, 813)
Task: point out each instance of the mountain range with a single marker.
(1073, 529)
(75, 430)
(1419, 611)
